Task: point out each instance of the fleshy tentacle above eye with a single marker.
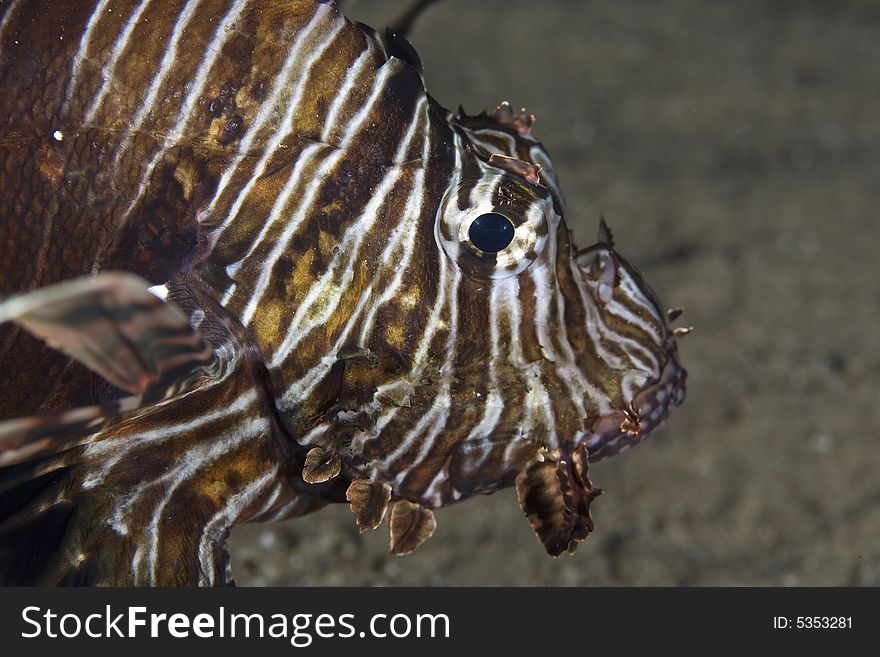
(527, 171)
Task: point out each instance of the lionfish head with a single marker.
(535, 358)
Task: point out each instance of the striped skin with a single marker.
(284, 176)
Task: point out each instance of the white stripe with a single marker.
(121, 446)
(599, 331)
(4, 23)
(304, 319)
(292, 225)
(539, 156)
(452, 327)
(82, 52)
(451, 295)
(426, 430)
(196, 459)
(629, 287)
(494, 404)
(407, 228)
(349, 246)
(268, 110)
(491, 147)
(507, 456)
(594, 324)
(420, 359)
(438, 414)
(292, 509)
(537, 395)
(431, 492)
(477, 456)
(348, 86)
(221, 36)
(510, 294)
(109, 70)
(409, 224)
(233, 509)
(579, 388)
(275, 214)
(165, 66)
(543, 402)
(214, 49)
(314, 434)
(276, 493)
(342, 98)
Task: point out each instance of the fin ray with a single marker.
(116, 327)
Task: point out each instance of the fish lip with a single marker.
(621, 430)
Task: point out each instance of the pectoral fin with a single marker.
(116, 327)
(28, 437)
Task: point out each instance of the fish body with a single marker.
(274, 273)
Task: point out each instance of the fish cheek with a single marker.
(359, 379)
(480, 466)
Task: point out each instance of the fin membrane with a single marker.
(115, 326)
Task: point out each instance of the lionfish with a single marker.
(251, 267)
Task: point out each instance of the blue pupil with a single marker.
(491, 232)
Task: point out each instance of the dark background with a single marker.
(735, 150)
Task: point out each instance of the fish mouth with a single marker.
(621, 430)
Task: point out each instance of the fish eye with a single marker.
(492, 227)
(491, 232)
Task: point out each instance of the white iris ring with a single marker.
(511, 260)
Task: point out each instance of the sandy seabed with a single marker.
(735, 151)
